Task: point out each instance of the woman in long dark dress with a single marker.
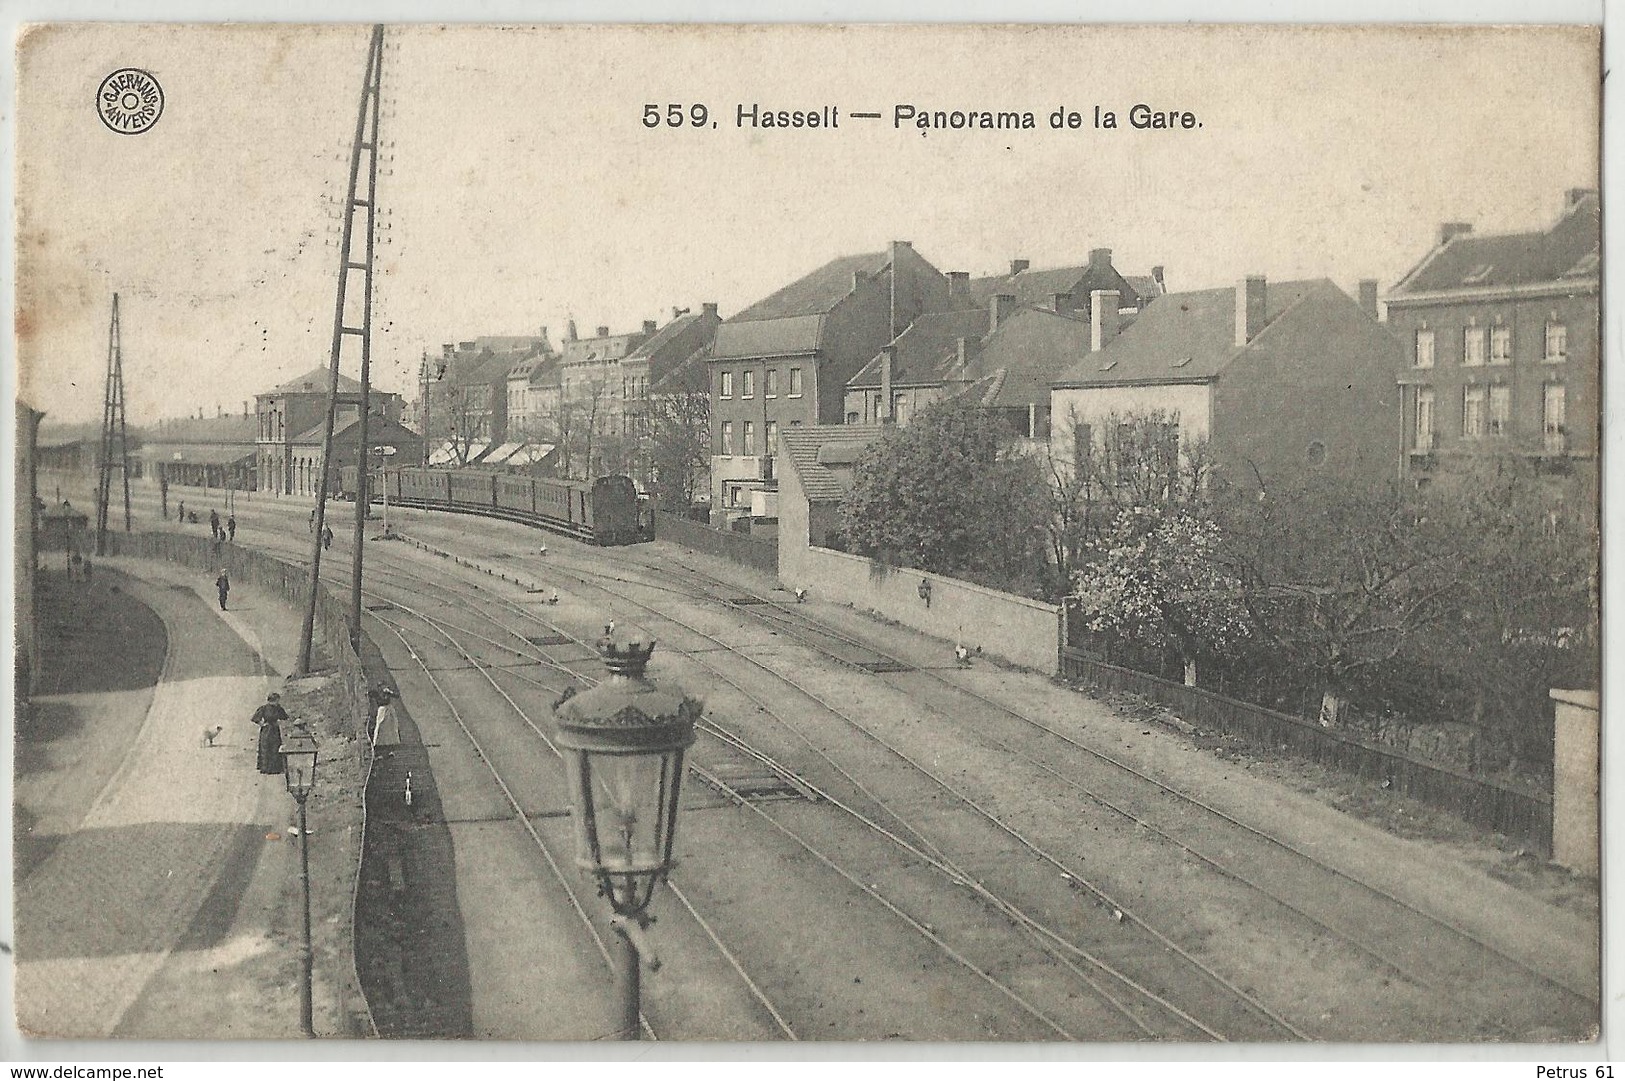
(270, 717)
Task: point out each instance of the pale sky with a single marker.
(522, 187)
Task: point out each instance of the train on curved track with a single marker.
(606, 510)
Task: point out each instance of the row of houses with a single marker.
(1489, 341)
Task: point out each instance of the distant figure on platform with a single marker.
(327, 536)
(925, 591)
(801, 594)
(270, 717)
(214, 523)
(961, 655)
(87, 568)
(231, 527)
(222, 586)
(311, 528)
(180, 512)
(191, 517)
(76, 564)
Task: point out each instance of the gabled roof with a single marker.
(315, 382)
(928, 351)
(600, 350)
(378, 429)
(235, 428)
(1568, 250)
(1037, 288)
(1186, 337)
(1030, 348)
(802, 445)
(818, 292)
(676, 342)
(683, 377)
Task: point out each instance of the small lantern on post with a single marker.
(623, 744)
(299, 772)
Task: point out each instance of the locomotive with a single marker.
(607, 510)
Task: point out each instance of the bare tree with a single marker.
(679, 424)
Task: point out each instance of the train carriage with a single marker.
(473, 487)
(607, 510)
(516, 493)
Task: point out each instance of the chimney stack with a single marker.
(1574, 195)
(858, 278)
(649, 326)
(959, 354)
(1100, 258)
(1249, 308)
(602, 332)
(1103, 324)
(1452, 229)
(999, 309)
(887, 356)
(1368, 296)
(1156, 276)
(570, 330)
(958, 284)
(1017, 266)
(709, 308)
(245, 407)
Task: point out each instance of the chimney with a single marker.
(649, 326)
(959, 354)
(1249, 308)
(1156, 276)
(858, 278)
(1103, 325)
(570, 330)
(1017, 266)
(447, 349)
(887, 356)
(1573, 196)
(709, 308)
(602, 332)
(1100, 258)
(1368, 296)
(1452, 229)
(958, 284)
(1062, 302)
(999, 309)
(245, 407)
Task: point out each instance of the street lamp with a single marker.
(623, 744)
(299, 771)
(383, 452)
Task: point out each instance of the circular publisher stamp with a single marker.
(129, 101)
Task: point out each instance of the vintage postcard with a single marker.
(807, 533)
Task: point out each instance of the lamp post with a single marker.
(299, 770)
(383, 453)
(623, 744)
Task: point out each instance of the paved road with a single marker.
(152, 880)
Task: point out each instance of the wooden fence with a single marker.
(738, 547)
(1523, 812)
(332, 624)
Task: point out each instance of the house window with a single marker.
(851, 418)
(1557, 343)
(1501, 345)
(772, 434)
(747, 383)
(1424, 418)
(899, 408)
(727, 385)
(1472, 412)
(795, 382)
(727, 438)
(1424, 349)
(750, 438)
(1500, 409)
(770, 383)
(1473, 346)
(1554, 414)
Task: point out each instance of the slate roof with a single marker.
(675, 380)
(928, 351)
(235, 428)
(199, 453)
(1037, 288)
(802, 445)
(818, 292)
(676, 342)
(315, 381)
(601, 350)
(377, 429)
(1568, 250)
(1186, 337)
(1030, 348)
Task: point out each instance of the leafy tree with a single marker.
(949, 493)
(1161, 583)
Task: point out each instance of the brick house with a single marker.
(1281, 379)
(1501, 346)
(785, 360)
(286, 412)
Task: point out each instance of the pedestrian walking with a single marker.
(214, 523)
(327, 536)
(222, 586)
(961, 655)
(231, 527)
(311, 528)
(180, 512)
(269, 717)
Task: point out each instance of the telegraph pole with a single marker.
(363, 450)
(114, 433)
(355, 203)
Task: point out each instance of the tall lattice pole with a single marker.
(363, 456)
(365, 141)
(114, 435)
